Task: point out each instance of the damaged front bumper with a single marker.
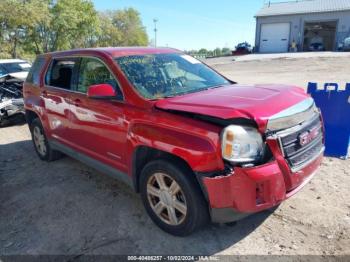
(245, 191)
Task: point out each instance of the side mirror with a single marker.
(101, 91)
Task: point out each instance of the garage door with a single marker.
(274, 38)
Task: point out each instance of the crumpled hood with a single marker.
(19, 75)
(257, 102)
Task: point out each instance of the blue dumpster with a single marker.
(334, 102)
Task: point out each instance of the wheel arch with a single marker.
(145, 154)
(30, 116)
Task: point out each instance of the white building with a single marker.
(279, 25)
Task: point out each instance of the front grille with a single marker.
(298, 151)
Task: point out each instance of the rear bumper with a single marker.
(250, 190)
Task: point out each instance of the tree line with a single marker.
(31, 27)
(211, 53)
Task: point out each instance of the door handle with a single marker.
(77, 102)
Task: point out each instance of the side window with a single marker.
(34, 73)
(93, 72)
(60, 73)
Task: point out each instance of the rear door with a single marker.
(274, 38)
(58, 87)
(98, 126)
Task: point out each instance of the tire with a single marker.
(3, 122)
(180, 205)
(41, 145)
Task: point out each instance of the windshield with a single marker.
(16, 67)
(166, 75)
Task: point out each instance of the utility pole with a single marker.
(155, 20)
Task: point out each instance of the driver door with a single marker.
(99, 127)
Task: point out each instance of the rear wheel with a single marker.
(172, 199)
(41, 145)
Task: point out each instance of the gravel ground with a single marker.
(292, 68)
(65, 207)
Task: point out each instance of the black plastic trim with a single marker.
(226, 215)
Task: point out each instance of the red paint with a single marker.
(110, 131)
(238, 101)
(239, 190)
(101, 91)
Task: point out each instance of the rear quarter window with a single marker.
(34, 73)
(61, 72)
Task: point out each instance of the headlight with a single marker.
(241, 144)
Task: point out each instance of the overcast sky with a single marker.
(193, 24)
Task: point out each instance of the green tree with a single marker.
(72, 22)
(203, 51)
(217, 51)
(106, 34)
(17, 18)
(38, 32)
(29, 27)
(226, 51)
(129, 24)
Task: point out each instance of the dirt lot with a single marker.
(65, 207)
(293, 68)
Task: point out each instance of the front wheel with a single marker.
(172, 199)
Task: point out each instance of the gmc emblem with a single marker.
(308, 136)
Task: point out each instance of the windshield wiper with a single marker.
(213, 87)
(191, 91)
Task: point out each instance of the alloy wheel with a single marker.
(39, 141)
(166, 199)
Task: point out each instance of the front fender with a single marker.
(199, 150)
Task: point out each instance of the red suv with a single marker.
(194, 144)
